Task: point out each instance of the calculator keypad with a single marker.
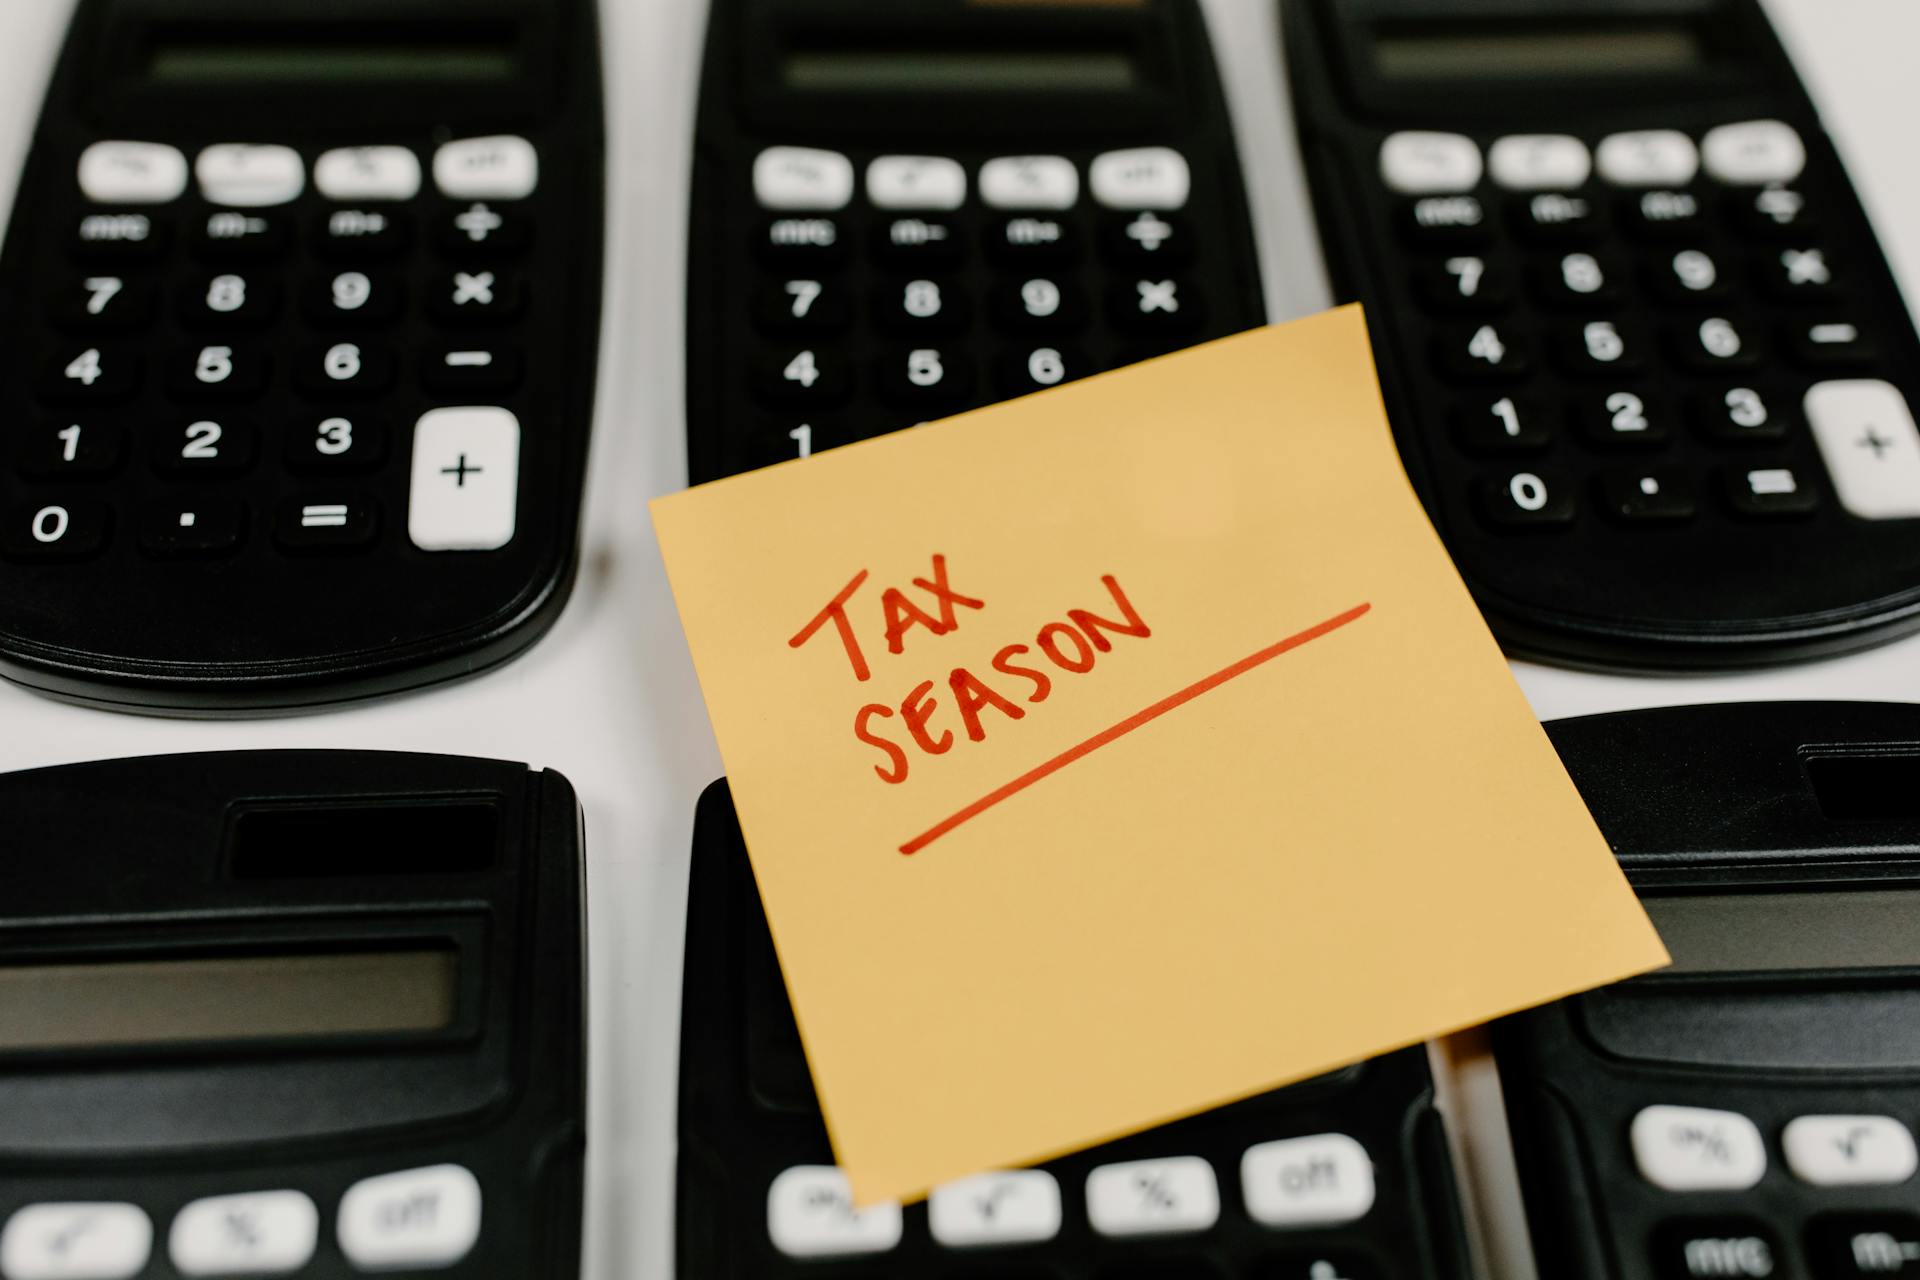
(909, 287)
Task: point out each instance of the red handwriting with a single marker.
(1143, 716)
(1071, 647)
(898, 612)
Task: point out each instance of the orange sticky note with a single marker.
(1125, 750)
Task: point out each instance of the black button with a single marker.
(1687, 277)
(1797, 274)
(1864, 1245)
(1663, 215)
(1463, 283)
(1713, 342)
(802, 244)
(361, 235)
(353, 299)
(1766, 491)
(58, 530)
(1480, 353)
(1526, 500)
(1621, 420)
(1598, 349)
(1492, 427)
(197, 527)
(61, 448)
(218, 371)
(803, 306)
(119, 238)
(205, 446)
(924, 379)
(913, 307)
(1830, 344)
(1039, 304)
(337, 442)
(1181, 1267)
(1577, 281)
(102, 304)
(1553, 217)
(1031, 239)
(471, 370)
(803, 377)
(1026, 369)
(1444, 219)
(1156, 306)
(229, 301)
(1773, 213)
(481, 230)
(327, 523)
(231, 234)
(477, 297)
(784, 439)
(1317, 1264)
(1148, 241)
(343, 369)
(91, 375)
(919, 244)
(1734, 415)
(1728, 1249)
(1658, 495)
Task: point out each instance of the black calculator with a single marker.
(300, 310)
(300, 1013)
(1343, 1177)
(1749, 1112)
(903, 209)
(1645, 361)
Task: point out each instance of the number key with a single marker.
(91, 375)
(62, 530)
(218, 371)
(1482, 353)
(353, 299)
(1598, 349)
(103, 304)
(921, 306)
(1526, 500)
(803, 378)
(926, 377)
(205, 446)
(1714, 342)
(337, 443)
(344, 369)
(1687, 277)
(1621, 420)
(1463, 282)
(1026, 369)
(1042, 304)
(1738, 415)
(802, 306)
(1577, 281)
(61, 448)
(1500, 426)
(229, 301)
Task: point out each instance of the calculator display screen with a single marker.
(1782, 932)
(147, 1003)
(185, 60)
(1507, 52)
(979, 70)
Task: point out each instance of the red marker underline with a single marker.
(1132, 722)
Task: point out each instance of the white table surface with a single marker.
(609, 696)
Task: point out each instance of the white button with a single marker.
(1420, 164)
(1539, 162)
(1017, 1207)
(422, 1218)
(1648, 158)
(1867, 438)
(466, 479)
(367, 173)
(1849, 1151)
(1697, 1149)
(1299, 1182)
(132, 173)
(1153, 1197)
(1029, 182)
(261, 1233)
(249, 177)
(1753, 152)
(916, 182)
(75, 1242)
(810, 1214)
(1143, 178)
(497, 168)
(802, 178)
